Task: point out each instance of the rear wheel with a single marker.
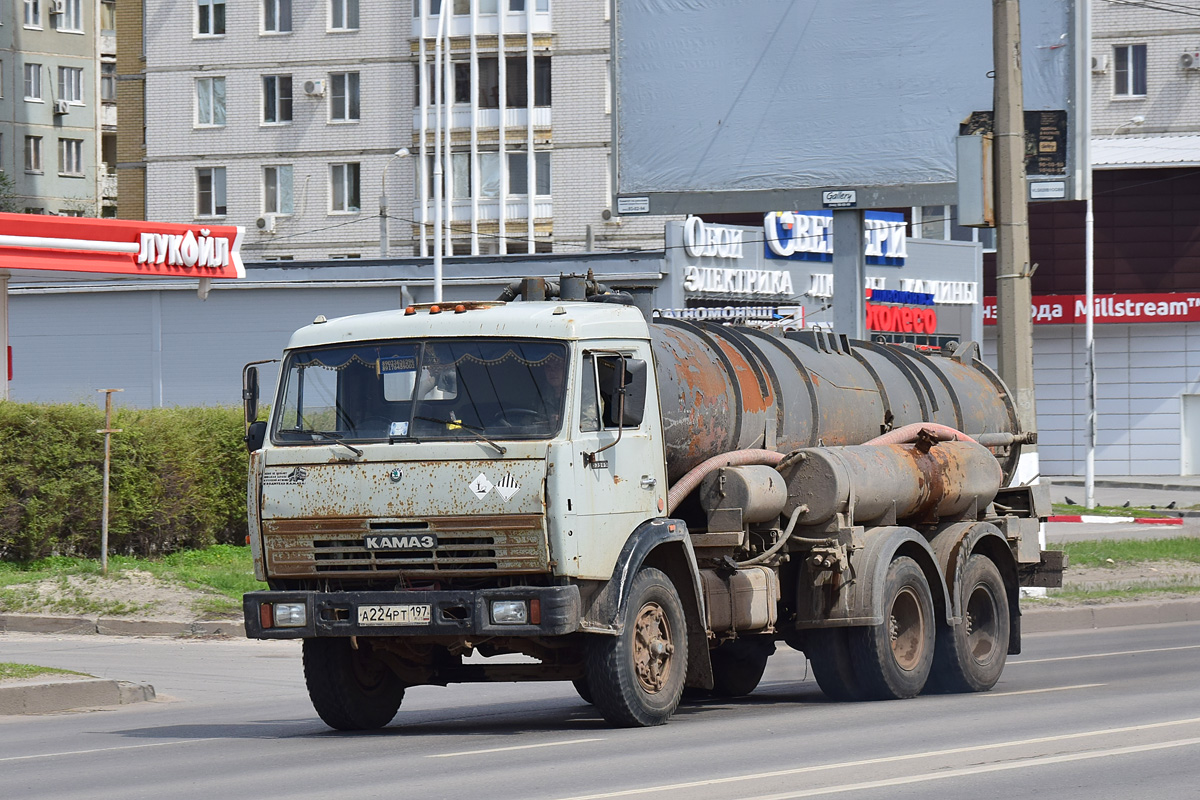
(352, 690)
(738, 666)
(636, 678)
(893, 659)
(828, 650)
(581, 689)
(970, 656)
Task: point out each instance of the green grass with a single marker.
(1128, 593)
(1111, 511)
(1097, 553)
(9, 670)
(222, 572)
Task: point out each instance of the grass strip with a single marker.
(1111, 511)
(12, 671)
(1109, 552)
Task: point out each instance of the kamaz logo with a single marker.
(423, 541)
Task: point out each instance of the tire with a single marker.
(581, 689)
(352, 690)
(828, 650)
(893, 659)
(738, 667)
(970, 657)
(636, 678)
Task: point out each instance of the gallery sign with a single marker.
(120, 247)
(1071, 309)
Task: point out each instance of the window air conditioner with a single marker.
(1099, 64)
(1190, 61)
(314, 88)
(61, 107)
(57, 6)
(265, 223)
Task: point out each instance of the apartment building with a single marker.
(51, 105)
(288, 116)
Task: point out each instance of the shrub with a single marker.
(177, 481)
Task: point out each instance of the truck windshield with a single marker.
(441, 389)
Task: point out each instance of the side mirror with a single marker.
(256, 435)
(626, 391)
(250, 393)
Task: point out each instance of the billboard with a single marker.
(729, 106)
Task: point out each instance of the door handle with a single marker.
(649, 482)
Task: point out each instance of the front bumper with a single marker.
(454, 613)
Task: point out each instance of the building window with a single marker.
(33, 13)
(70, 85)
(519, 5)
(33, 154)
(941, 222)
(33, 81)
(517, 84)
(518, 176)
(277, 98)
(210, 192)
(210, 102)
(431, 71)
(70, 157)
(72, 17)
(343, 97)
(277, 189)
(343, 15)
(277, 16)
(210, 17)
(108, 16)
(1129, 70)
(343, 180)
(108, 81)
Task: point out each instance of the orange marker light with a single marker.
(460, 309)
(409, 311)
(266, 615)
(535, 611)
(435, 309)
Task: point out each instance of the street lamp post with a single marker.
(383, 203)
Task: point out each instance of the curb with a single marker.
(1108, 615)
(1112, 520)
(108, 626)
(43, 697)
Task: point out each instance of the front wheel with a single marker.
(970, 656)
(636, 678)
(352, 690)
(892, 660)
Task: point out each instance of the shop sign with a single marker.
(700, 240)
(1071, 309)
(808, 236)
(738, 282)
(122, 247)
(901, 319)
(945, 293)
(781, 314)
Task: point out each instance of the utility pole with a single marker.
(1014, 297)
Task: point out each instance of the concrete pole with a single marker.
(849, 273)
(4, 331)
(108, 431)
(1014, 325)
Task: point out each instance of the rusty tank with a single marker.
(725, 388)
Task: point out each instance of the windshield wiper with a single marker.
(454, 423)
(337, 437)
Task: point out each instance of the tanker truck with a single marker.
(570, 490)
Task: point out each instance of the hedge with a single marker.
(177, 481)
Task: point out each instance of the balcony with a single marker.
(460, 117)
(517, 208)
(488, 24)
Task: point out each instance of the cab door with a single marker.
(619, 478)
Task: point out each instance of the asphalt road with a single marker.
(1090, 714)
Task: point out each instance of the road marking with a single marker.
(886, 760)
(1106, 655)
(106, 749)
(1041, 691)
(979, 770)
(516, 747)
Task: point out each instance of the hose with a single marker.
(909, 433)
(783, 539)
(736, 458)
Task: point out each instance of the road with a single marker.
(1089, 714)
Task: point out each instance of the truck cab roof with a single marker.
(548, 320)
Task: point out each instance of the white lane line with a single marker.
(515, 747)
(1042, 691)
(105, 749)
(978, 770)
(1105, 655)
(755, 776)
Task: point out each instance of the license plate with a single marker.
(412, 614)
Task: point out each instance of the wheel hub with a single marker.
(652, 648)
(906, 625)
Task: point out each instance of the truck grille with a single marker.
(465, 546)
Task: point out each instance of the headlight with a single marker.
(510, 612)
(290, 615)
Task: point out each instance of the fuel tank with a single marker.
(724, 388)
